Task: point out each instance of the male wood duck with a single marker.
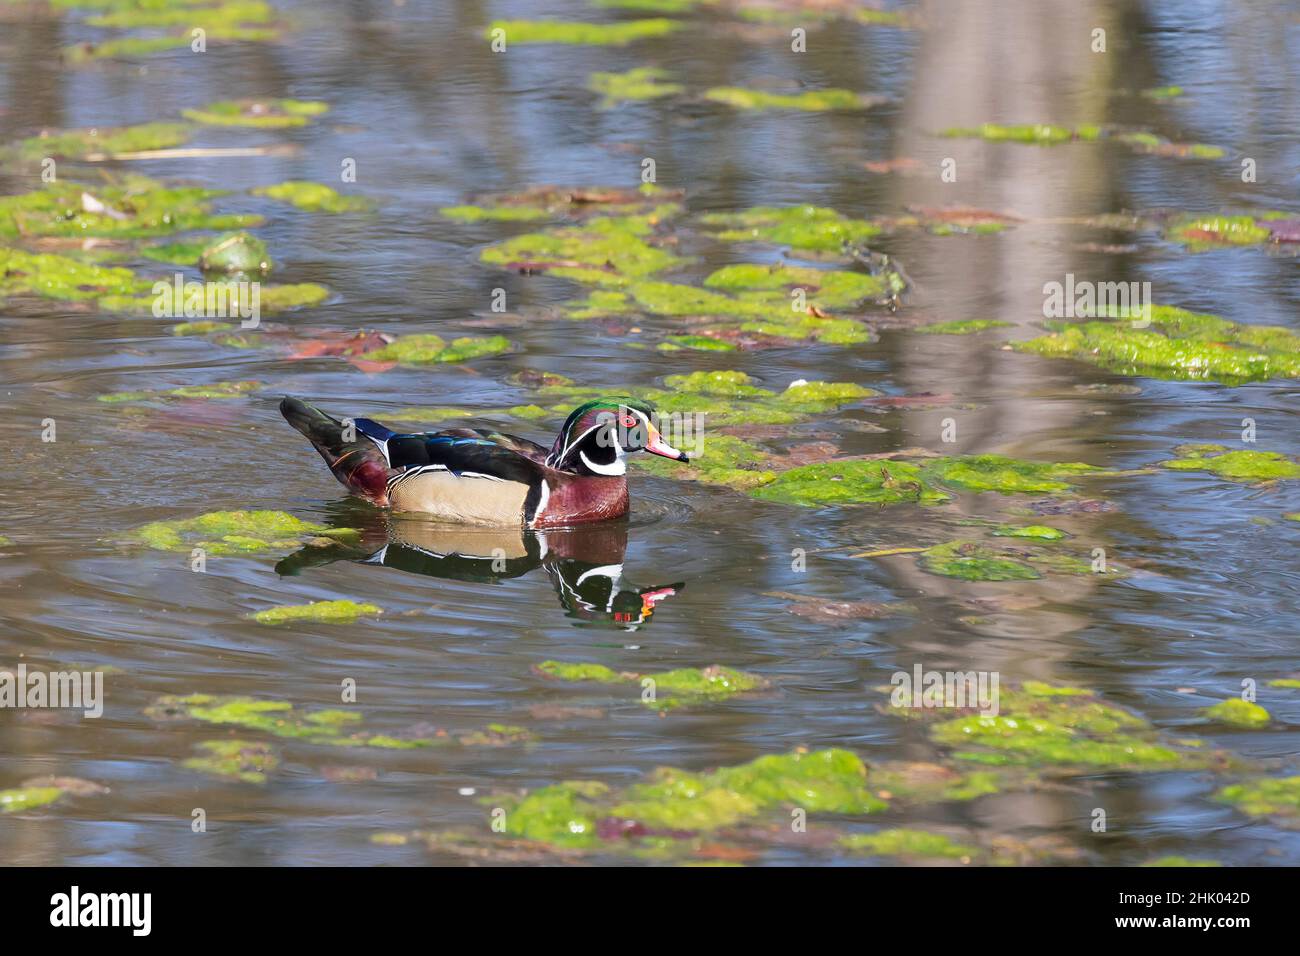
(483, 477)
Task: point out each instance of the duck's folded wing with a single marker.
(522, 446)
(463, 453)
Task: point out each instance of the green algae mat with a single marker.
(330, 727)
(663, 690)
(1178, 345)
(1047, 134)
(1064, 729)
(1041, 731)
(923, 481)
(233, 532)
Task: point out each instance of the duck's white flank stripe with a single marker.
(412, 472)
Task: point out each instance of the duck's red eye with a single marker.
(629, 422)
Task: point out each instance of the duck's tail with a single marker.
(354, 450)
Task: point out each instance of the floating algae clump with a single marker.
(504, 213)
(1243, 466)
(731, 398)
(764, 312)
(700, 343)
(233, 532)
(915, 782)
(312, 197)
(431, 349)
(825, 289)
(562, 815)
(649, 202)
(851, 482)
(261, 114)
(1206, 232)
(58, 277)
(1005, 475)
(823, 781)
(907, 843)
(276, 717)
(242, 760)
(318, 612)
(961, 327)
(891, 481)
(109, 142)
(1267, 797)
(719, 319)
(664, 816)
(184, 252)
(605, 251)
(1038, 531)
(1236, 712)
(687, 685)
(138, 209)
(226, 21)
(971, 561)
(674, 804)
(1179, 861)
(230, 296)
(1178, 345)
(215, 390)
(1144, 142)
(1039, 134)
(162, 13)
(725, 384)
(27, 798)
(1036, 726)
(812, 228)
(809, 100)
(339, 728)
(726, 460)
(599, 34)
(638, 83)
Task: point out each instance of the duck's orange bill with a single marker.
(657, 446)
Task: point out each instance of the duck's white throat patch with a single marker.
(615, 468)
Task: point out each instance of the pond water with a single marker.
(1209, 593)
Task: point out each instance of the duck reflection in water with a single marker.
(585, 564)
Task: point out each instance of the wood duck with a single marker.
(483, 477)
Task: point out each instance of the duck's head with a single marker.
(598, 436)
